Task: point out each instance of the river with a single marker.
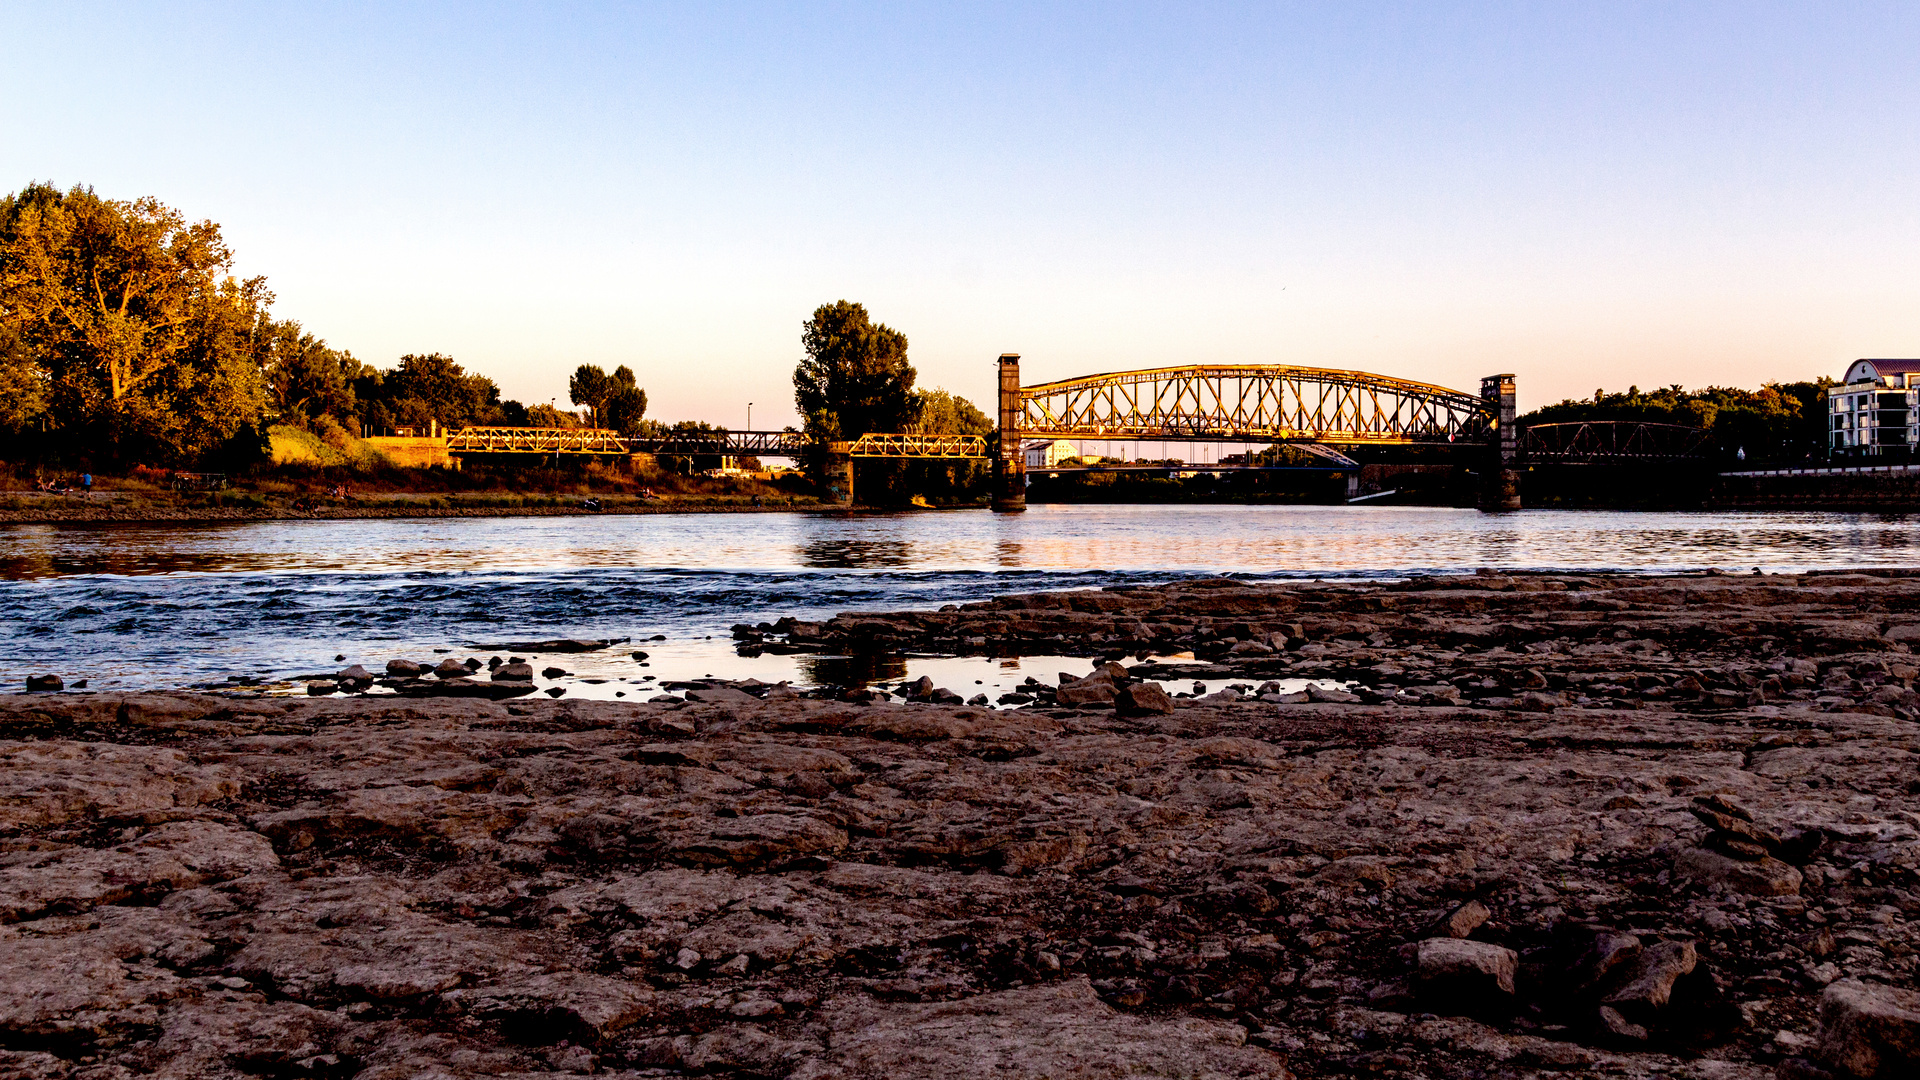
(169, 606)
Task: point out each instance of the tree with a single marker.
(625, 409)
(855, 378)
(432, 387)
(130, 323)
(308, 379)
(23, 383)
(944, 413)
(613, 401)
(589, 386)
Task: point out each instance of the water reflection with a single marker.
(857, 670)
(146, 605)
(844, 553)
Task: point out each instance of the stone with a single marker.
(1462, 921)
(1646, 980)
(405, 669)
(452, 669)
(1869, 1030)
(1457, 972)
(553, 673)
(1094, 690)
(513, 673)
(45, 683)
(1324, 696)
(1142, 699)
(721, 694)
(1765, 876)
(355, 676)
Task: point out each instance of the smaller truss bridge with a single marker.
(1597, 442)
(1252, 403)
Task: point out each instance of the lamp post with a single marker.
(749, 416)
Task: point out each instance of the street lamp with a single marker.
(749, 416)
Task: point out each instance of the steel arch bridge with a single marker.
(1252, 402)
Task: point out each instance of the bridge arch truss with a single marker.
(1252, 402)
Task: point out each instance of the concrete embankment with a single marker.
(1646, 826)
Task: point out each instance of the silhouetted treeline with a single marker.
(1778, 422)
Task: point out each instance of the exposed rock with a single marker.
(436, 882)
(1464, 920)
(1763, 876)
(1088, 691)
(1646, 981)
(1046, 1032)
(1456, 972)
(1870, 1031)
(405, 669)
(513, 673)
(1142, 699)
(44, 683)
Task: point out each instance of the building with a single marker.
(1876, 406)
(1042, 454)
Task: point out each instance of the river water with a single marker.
(170, 606)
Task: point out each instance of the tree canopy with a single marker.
(1778, 422)
(614, 401)
(122, 327)
(855, 378)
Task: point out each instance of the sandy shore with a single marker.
(1640, 827)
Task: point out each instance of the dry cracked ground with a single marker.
(1626, 826)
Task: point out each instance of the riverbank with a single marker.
(1645, 826)
(35, 508)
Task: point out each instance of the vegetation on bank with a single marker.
(1779, 422)
(126, 340)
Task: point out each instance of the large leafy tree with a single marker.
(126, 320)
(855, 378)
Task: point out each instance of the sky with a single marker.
(1584, 195)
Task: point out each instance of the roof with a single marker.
(1882, 368)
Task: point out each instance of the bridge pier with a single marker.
(1500, 486)
(839, 473)
(1009, 462)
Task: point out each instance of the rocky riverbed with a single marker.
(1624, 825)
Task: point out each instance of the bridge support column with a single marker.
(1500, 486)
(1009, 462)
(839, 474)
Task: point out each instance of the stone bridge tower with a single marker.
(1009, 461)
(1500, 487)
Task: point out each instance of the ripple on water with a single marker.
(167, 606)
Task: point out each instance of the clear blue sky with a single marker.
(1585, 195)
